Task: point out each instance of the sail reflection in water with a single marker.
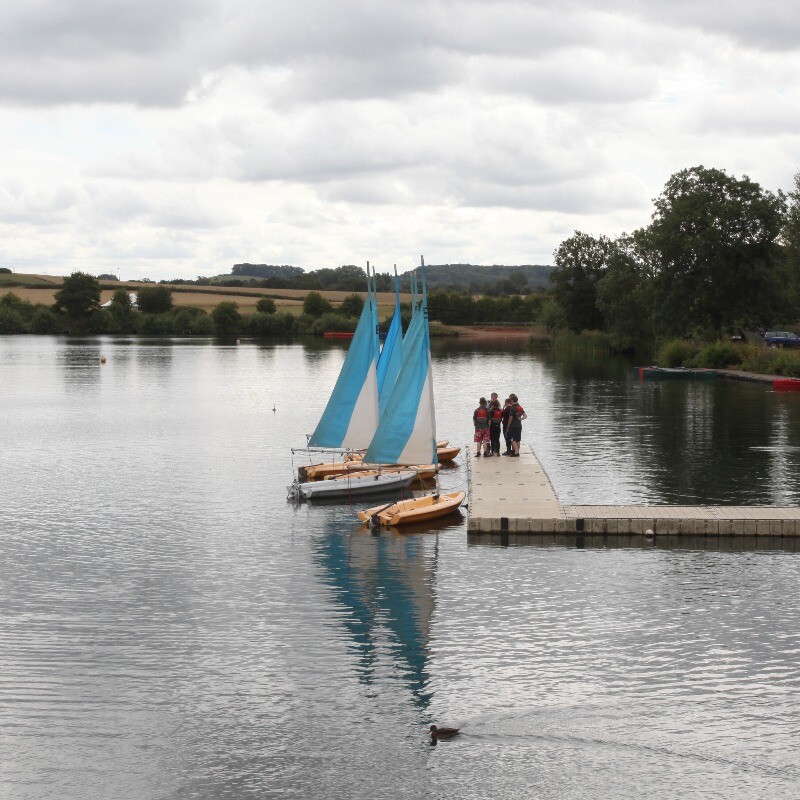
(386, 584)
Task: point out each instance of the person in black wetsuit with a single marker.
(506, 412)
(516, 414)
(495, 421)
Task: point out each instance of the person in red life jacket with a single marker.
(480, 418)
(516, 414)
(495, 421)
(506, 412)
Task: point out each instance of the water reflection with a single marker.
(80, 365)
(385, 581)
(723, 544)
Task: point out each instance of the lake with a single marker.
(172, 627)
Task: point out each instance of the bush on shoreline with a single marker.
(19, 316)
(724, 355)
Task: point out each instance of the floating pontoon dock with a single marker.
(514, 495)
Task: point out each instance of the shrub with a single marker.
(771, 362)
(202, 325)
(266, 305)
(5, 270)
(44, 321)
(100, 322)
(10, 321)
(675, 353)
(23, 307)
(552, 315)
(153, 325)
(227, 318)
(270, 324)
(352, 305)
(718, 355)
(333, 322)
(437, 329)
(585, 341)
(315, 305)
(188, 321)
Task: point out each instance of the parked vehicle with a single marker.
(781, 339)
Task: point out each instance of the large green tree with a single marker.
(791, 243)
(581, 261)
(625, 295)
(79, 295)
(154, 299)
(714, 247)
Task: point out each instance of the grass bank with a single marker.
(729, 355)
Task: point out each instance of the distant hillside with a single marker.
(266, 271)
(495, 279)
(466, 276)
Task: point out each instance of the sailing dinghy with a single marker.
(406, 432)
(351, 415)
(357, 483)
(416, 509)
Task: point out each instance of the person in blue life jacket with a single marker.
(480, 418)
(516, 414)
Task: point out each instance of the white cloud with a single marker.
(178, 137)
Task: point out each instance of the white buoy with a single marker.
(649, 533)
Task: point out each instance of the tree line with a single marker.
(77, 309)
(721, 254)
(495, 280)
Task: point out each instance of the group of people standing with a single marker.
(490, 419)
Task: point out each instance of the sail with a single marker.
(406, 432)
(391, 358)
(373, 289)
(351, 416)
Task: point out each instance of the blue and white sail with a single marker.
(391, 358)
(406, 432)
(351, 416)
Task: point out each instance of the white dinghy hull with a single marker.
(357, 484)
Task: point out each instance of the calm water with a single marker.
(172, 628)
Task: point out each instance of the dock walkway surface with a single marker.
(515, 495)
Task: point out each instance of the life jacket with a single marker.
(481, 417)
(496, 415)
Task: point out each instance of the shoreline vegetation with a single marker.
(720, 256)
(165, 310)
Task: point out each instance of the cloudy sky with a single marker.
(174, 138)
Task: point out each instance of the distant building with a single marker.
(133, 296)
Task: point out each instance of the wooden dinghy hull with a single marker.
(415, 509)
(320, 472)
(447, 453)
(357, 483)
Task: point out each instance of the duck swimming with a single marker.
(443, 733)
